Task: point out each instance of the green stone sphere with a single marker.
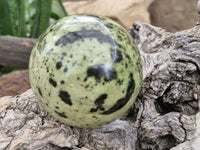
(85, 70)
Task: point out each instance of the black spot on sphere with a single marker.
(99, 71)
(100, 100)
(127, 56)
(93, 16)
(47, 69)
(126, 65)
(61, 114)
(71, 37)
(99, 103)
(110, 26)
(52, 82)
(101, 108)
(84, 57)
(85, 79)
(123, 101)
(65, 97)
(56, 107)
(51, 74)
(120, 82)
(71, 56)
(64, 54)
(40, 92)
(86, 86)
(120, 37)
(62, 82)
(94, 117)
(51, 29)
(119, 45)
(65, 69)
(93, 110)
(58, 65)
(116, 55)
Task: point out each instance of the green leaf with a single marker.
(42, 17)
(6, 25)
(5, 70)
(21, 32)
(28, 18)
(30, 11)
(58, 10)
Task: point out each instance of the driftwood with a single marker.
(165, 115)
(165, 112)
(26, 125)
(15, 52)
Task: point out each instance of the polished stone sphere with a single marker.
(85, 70)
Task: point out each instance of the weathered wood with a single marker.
(15, 52)
(194, 143)
(165, 114)
(24, 124)
(169, 100)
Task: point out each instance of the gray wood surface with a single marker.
(169, 100)
(164, 116)
(15, 52)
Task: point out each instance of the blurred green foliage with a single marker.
(27, 18)
(4, 70)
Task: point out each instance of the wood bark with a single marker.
(165, 111)
(15, 52)
(165, 115)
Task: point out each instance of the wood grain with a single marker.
(15, 52)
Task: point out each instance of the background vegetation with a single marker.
(28, 18)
